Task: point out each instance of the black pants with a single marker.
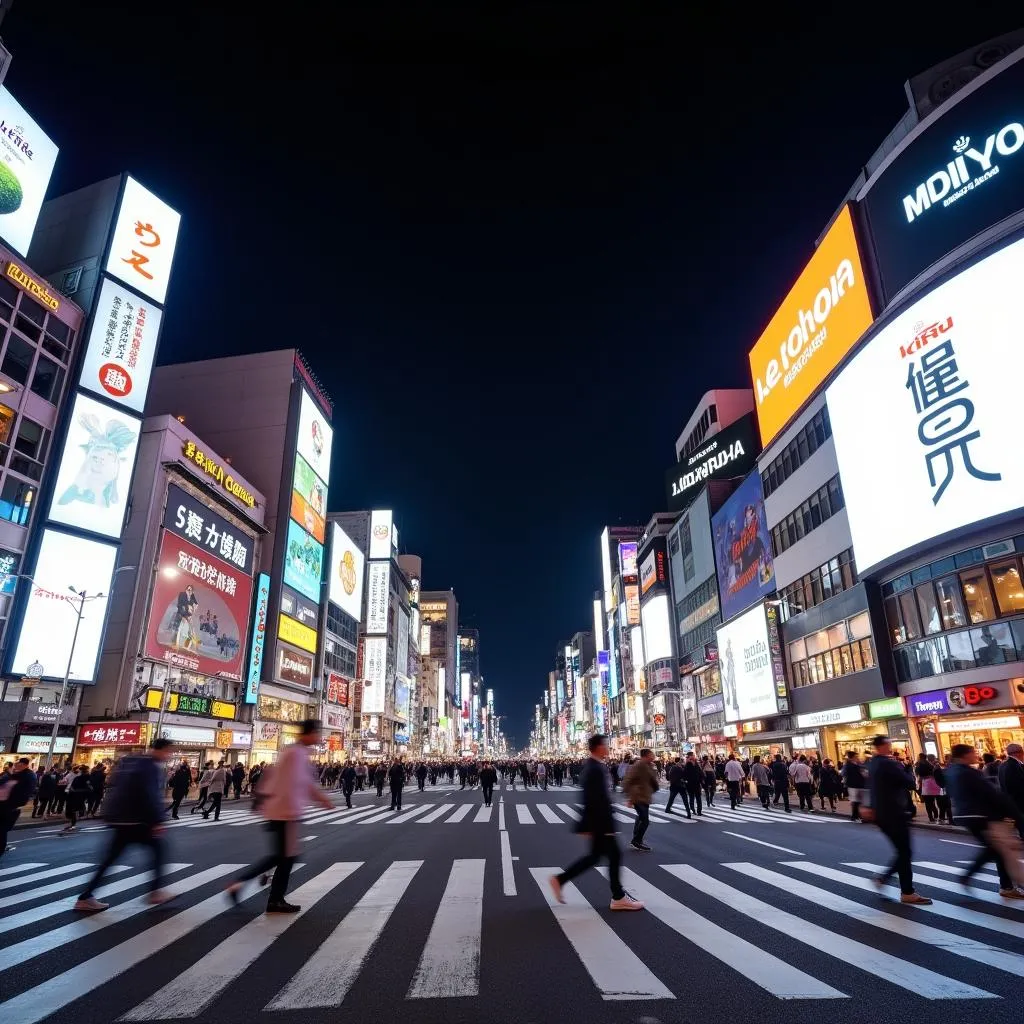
(709, 790)
(277, 859)
(734, 793)
(421, 783)
(380, 788)
(176, 803)
(693, 792)
(930, 805)
(215, 798)
(121, 837)
(488, 790)
(643, 821)
(396, 798)
(781, 793)
(347, 790)
(44, 805)
(600, 846)
(764, 794)
(898, 833)
(673, 792)
(805, 791)
(201, 802)
(7, 820)
(977, 826)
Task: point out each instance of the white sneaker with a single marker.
(625, 903)
(90, 903)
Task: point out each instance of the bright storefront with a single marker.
(99, 742)
(988, 716)
(277, 724)
(834, 732)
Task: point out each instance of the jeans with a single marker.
(600, 846)
(201, 802)
(898, 833)
(805, 791)
(643, 821)
(123, 836)
(277, 859)
(709, 790)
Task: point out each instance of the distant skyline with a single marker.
(515, 249)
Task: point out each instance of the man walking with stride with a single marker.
(639, 787)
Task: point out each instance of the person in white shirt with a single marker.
(803, 779)
(286, 792)
(734, 775)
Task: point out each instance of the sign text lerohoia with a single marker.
(216, 470)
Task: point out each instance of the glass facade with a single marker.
(797, 452)
(838, 650)
(817, 586)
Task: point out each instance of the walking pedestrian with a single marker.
(219, 778)
(134, 810)
(77, 799)
(396, 780)
(639, 787)
(676, 787)
(17, 787)
(204, 788)
(889, 786)
(780, 783)
(763, 780)
(282, 798)
(348, 782)
(734, 775)
(179, 784)
(488, 777)
(855, 780)
(598, 825)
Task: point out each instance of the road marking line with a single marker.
(459, 814)
(508, 877)
(501, 814)
(524, 815)
(64, 883)
(549, 815)
(20, 868)
(761, 842)
(65, 869)
(409, 815)
(434, 815)
(450, 963)
(483, 815)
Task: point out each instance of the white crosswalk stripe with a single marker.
(20, 868)
(74, 882)
(363, 904)
(434, 815)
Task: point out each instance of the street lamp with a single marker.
(79, 607)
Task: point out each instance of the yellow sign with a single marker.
(294, 632)
(35, 288)
(222, 709)
(214, 469)
(192, 705)
(224, 738)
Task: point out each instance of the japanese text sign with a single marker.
(939, 443)
(120, 734)
(143, 240)
(188, 517)
(122, 344)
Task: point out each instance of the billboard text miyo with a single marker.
(818, 322)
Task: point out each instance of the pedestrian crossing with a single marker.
(521, 812)
(743, 919)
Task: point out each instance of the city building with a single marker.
(440, 653)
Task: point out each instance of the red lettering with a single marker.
(977, 694)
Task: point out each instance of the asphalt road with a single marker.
(439, 914)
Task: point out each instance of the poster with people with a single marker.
(199, 615)
(743, 548)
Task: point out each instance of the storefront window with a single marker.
(859, 626)
(961, 652)
(951, 607)
(993, 644)
(978, 595)
(928, 605)
(1007, 585)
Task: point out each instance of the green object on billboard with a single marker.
(10, 190)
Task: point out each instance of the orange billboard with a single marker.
(819, 321)
(306, 516)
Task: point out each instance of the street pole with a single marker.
(79, 611)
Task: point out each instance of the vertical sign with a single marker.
(259, 634)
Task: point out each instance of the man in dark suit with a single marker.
(1011, 776)
(598, 825)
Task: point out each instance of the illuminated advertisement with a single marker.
(347, 571)
(657, 629)
(259, 639)
(308, 518)
(142, 245)
(743, 552)
(732, 452)
(48, 629)
(303, 562)
(751, 676)
(315, 438)
(189, 518)
(818, 322)
(310, 487)
(375, 659)
(294, 632)
(627, 559)
(122, 344)
(294, 666)
(199, 612)
(381, 529)
(632, 604)
(937, 375)
(94, 477)
(28, 157)
(402, 649)
(401, 699)
(377, 597)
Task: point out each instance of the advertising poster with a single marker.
(732, 452)
(743, 549)
(95, 472)
(48, 628)
(401, 699)
(381, 528)
(27, 159)
(375, 657)
(748, 678)
(377, 597)
(315, 438)
(309, 487)
(294, 666)
(627, 559)
(402, 650)
(304, 514)
(143, 241)
(259, 638)
(347, 571)
(939, 372)
(190, 518)
(122, 343)
(199, 613)
(303, 562)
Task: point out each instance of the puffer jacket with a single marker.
(640, 783)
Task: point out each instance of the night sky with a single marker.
(517, 249)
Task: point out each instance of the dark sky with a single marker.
(516, 248)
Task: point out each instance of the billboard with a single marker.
(958, 173)
(743, 549)
(121, 347)
(315, 438)
(142, 244)
(303, 562)
(732, 452)
(402, 649)
(199, 610)
(95, 472)
(381, 530)
(189, 518)
(940, 444)
(818, 322)
(657, 629)
(627, 559)
(294, 666)
(751, 679)
(375, 662)
(257, 651)
(378, 588)
(48, 628)
(28, 158)
(348, 566)
(654, 567)
(310, 488)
